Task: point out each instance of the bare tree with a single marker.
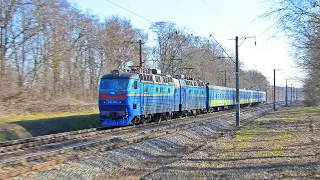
(300, 21)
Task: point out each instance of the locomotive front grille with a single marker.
(113, 115)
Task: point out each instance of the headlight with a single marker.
(102, 102)
(122, 102)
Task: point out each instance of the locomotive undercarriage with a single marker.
(158, 117)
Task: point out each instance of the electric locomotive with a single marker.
(130, 97)
(117, 106)
(143, 95)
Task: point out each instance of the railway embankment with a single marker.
(140, 159)
(281, 144)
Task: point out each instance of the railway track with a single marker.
(17, 147)
(119, 137)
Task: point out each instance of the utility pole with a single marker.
(237, 103)
(237, 85)
(237, 78)
(140, 47)
(1, 36)
(274, 89)
(140, 51)
(2, 48)
(291, 94)
(286, 93)
(225, 78)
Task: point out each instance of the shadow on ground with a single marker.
(31, 128)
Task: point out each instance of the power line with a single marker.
(222, 48)
(272, 25)
(130, 11)
(208, 6)
(263, 70)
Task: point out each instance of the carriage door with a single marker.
(207, 97)
(141, 94)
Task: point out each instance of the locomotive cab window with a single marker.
(118, 84)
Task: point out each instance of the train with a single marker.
(135, 96)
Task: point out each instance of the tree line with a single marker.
(300, 20)
(51, 50)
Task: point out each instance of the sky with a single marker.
(224, 19)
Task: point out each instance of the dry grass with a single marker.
(22, 118)
(37, 124)
(38, 116)
(284, 144)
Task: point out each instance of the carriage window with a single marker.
(168, 90)
(158, 79)
(135, 85)
(189, 91)
(145, 89)
(157, 89)
(161, 89)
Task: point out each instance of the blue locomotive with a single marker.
(136, 97)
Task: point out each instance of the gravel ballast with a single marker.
(146, 159)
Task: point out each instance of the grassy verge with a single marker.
(37, 124)
(281, 145)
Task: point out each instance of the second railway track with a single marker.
(16, 147)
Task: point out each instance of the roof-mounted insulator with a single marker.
(115, 73)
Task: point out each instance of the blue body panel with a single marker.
(196, 98)
(156, 98)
